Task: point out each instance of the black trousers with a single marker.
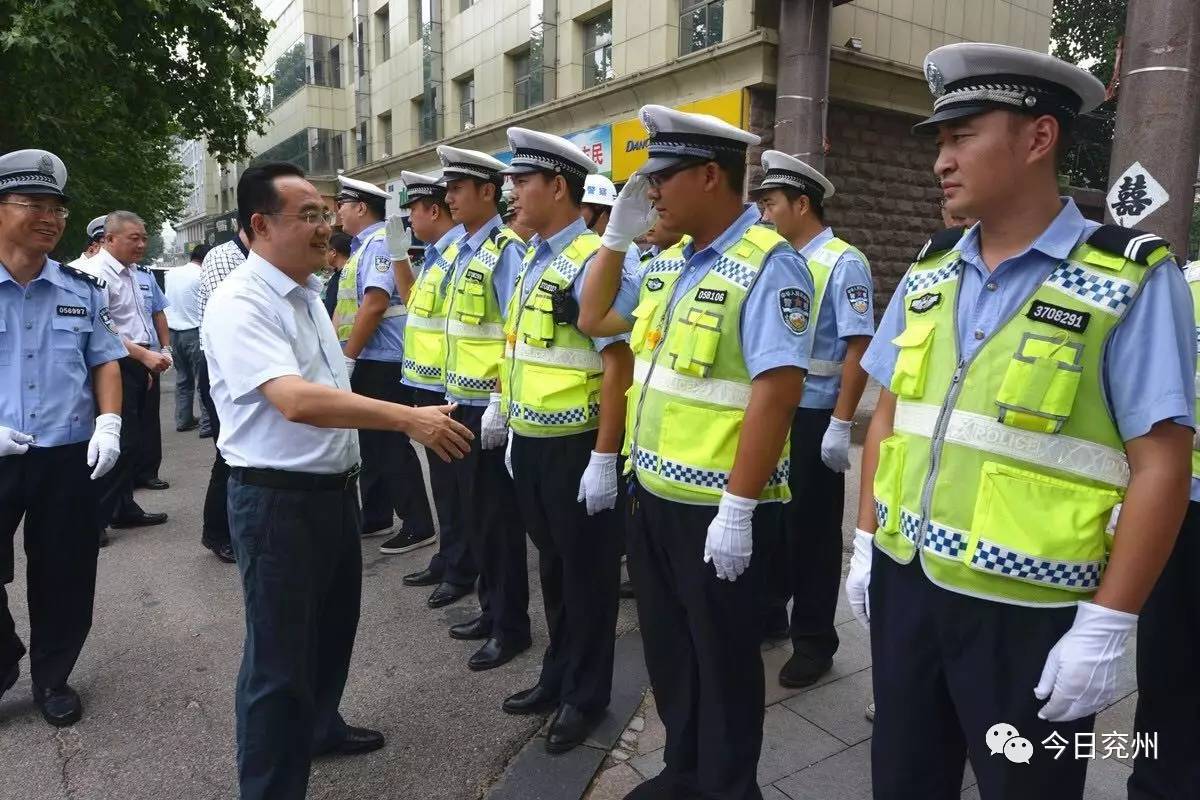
(579, 563)
(947, 667)
(300, 559)
(809, 567)
(51, 489)
(391, 473)
(702, 645)
(1168, 655)
(453, 561)
(151, 452)
(216, 517)
(116, 487)
(495, 534)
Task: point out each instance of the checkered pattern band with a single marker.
(1102, 292)
(487, 258)
(573, 416)
(736, 272)
(563, 266)
(472, 384)
(1080, 576)
(783, 177)
(418, 190)
(1017, 95)
(660, 264)
(424, 370)
(679, 472)
(540, 159)
(881, 513)
(927, 279)
(938, 539)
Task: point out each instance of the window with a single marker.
(597, 50)
(316, 150)
(701, 23)
(425, 117)
(463, 5)
(384, 139)
(361, 143)
(466, 101)
(526, 86)
(383, 25)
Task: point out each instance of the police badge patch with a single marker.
(107, 320)
(794, 306)
(654, 284)
(927, 301)
(859, 297)
(382, 263)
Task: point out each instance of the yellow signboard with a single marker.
(629, 137)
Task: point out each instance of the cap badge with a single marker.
(45, 165)
(935, 79)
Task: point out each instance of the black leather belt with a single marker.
(284, 479)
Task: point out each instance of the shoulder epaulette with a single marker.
(87, 276)
(143, 269)
(941, 242)
(1132, 244)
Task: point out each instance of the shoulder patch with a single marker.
(794, 307)
(941, 242)
(86, 276)
(383, 263)
(1135, 245)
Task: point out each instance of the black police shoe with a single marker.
(471, 630)
(153, 483)
(140, 519)
(495, 653)
(422, 577)
(355, 741)
(60, 707)
(447, 593)
(537, 700)
(404, 541)
(803, 670)
(569, 729)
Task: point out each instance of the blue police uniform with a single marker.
(150, 457)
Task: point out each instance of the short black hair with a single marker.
(438, 200)
(793, 194)
(497, 183)
(256, 191)
(199, 252)
(340, 241)
(377, 206)
(735, 168)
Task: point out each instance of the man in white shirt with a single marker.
(183, 318)
(288, 420)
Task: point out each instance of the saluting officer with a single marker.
(721, 330)
(452, 568)
(369, 318)
(792, 197)
(564, 398)
(58, 369)
(1035, 374)
(486, 268)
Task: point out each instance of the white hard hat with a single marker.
(599, 190)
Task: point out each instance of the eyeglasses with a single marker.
(310, 217)
(62, 212)
(657, 179)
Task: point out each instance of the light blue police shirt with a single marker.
(546, 250)
(1149, 364)
(52, 333)
(154, 299)
(847, 310)
(375, 272)
(504, 277)
(432, 253)
(769, 339)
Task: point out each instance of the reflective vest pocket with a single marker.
(1040, 384)
(692, 346)
(703, 439)
(553, 389)
(889, 476)
(426, 347)
(915, 342)
(1037, 528)
(470, 305)
(644, 317)
(537, 320)
(424, 300)
(478, 358)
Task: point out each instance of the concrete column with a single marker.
(1158, 111)
(802, 98)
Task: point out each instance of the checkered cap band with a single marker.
(461, 168)
(551, 162)
(1020, 92)
(417, 190)
(13, 181)
(784, 177)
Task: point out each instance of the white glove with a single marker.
(860, 577)
(493, 429)
(1080, 676)
(835, 445)
(508, 456)
(598, 486)
(105, 445)
(350, 362)
(631, 217)
(729, 542)
(13, 443)
(399, 238)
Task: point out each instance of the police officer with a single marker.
(452, 569)
(599, 194)
(721, 330)
(146, 473)
(58, 369)
(1034, 375)
(486, 267)
(792, 197)
(95, 234)
(564, 396)
(335, 261)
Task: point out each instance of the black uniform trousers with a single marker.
(50, 487)
(151, 452)
(702, 646)
(1168, 662)
(579, 563)
(391, 473)
(300, 560)
(809, 567)
(947, 667)
(452, 562)
(495, 534)
(116, 487)
(216, 516)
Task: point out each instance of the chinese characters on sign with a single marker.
(1004, 739)
(1135, 195)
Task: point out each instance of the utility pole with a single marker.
(802, 79)
(1158, 121)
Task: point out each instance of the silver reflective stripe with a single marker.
(569, 357)
(486, 330)
(707, 390)
(820, 368)
(427, 323)
(1066, 453)
(395, 311)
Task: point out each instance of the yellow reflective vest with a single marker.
(425, 331)
(346, 309)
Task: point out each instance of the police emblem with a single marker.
(107, 320)
(794, 307)
(45, 165)
(859, 297)
(935, 79)
(382, 263)
(654, 284)
(927, 301)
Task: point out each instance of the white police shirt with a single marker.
(260, 325)
(126, 305)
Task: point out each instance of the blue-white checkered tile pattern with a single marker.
(734, 271)
(489, 259)
(944, 541)
(573, 416)
(563, 265)
(423, 370)
(910, 525)
(881, 513)
(927, 279)
(473, 384)
(1104, 292)
(660, 264)
(650, 461)
(1059, 574)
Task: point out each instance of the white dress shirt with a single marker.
(183, 294)
(260, 325)
(126, 307)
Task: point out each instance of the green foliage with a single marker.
(108, 86)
